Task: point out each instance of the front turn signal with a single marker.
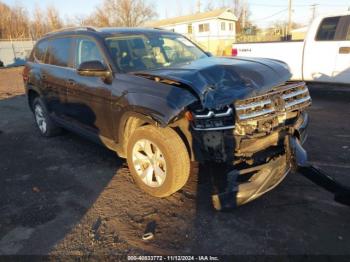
(189, 116)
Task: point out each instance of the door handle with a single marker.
(71, 82)
(344, 50)
(43, 77)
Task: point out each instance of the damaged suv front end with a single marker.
(252, 135)
(245, 117)
(240, 112)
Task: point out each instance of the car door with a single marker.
(58, 69)
(89, 97)
(321, 52)
(341, 72)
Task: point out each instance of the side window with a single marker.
(87, 50)
(327, 29)
(40, 51)
(203, 28)
(231, 26)
(223, 26)
(59, 52)
(189, 29)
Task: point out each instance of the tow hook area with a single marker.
(316, 175)
(297, 158)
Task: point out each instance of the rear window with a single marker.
(40, 51)
(327, 29)
(59, 52)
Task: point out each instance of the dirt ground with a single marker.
(69, 196)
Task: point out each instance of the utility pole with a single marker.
(244, 13)
(289, 18)
(313, 8)
(199, 5)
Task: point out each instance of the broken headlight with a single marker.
(210, 120)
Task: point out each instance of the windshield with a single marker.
(141, 52)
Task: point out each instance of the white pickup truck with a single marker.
(324, 56)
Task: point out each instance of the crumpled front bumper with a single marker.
(268, 176)
(264, 177)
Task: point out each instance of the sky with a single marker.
(263, 12)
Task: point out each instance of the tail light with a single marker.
(234, 52)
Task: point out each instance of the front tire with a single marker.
(43, 121)
(158, 160)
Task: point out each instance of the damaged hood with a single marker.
(220, 81)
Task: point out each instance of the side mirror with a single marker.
(94, 68)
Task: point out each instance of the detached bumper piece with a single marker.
(316, 175)
(319, 177)
(272, 173)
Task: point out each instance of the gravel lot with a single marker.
(68, 196)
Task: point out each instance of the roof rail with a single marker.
(77, 28)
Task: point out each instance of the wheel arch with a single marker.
(133, 120)
(31, 95)
(127, 125)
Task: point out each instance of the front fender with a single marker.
(160, 109)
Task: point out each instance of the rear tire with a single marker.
(43, 121)
(158, 160)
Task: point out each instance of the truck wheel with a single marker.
(45, 125)
(158, 160)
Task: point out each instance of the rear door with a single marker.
(341, 72)
(320, 52)
(58, 70)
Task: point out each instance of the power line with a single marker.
(267, 5)
(297, 5)
(267, 17)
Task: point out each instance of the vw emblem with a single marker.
(278, 103)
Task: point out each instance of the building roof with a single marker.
(218, 13)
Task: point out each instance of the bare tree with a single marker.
(13, 22)
(53, 18)
(16, 23)
(38, 25)
(210, 6)
(127, 13)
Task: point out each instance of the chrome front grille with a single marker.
(287, 98)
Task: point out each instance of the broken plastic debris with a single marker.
(36, 189)
(148, 236)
